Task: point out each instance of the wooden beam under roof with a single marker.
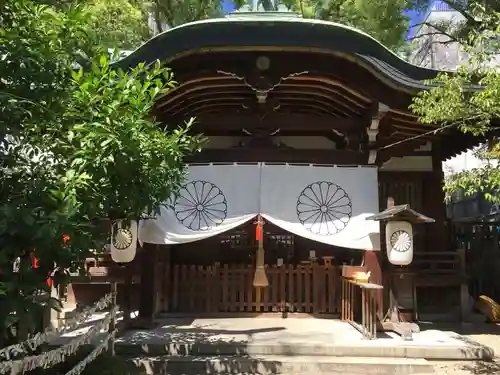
(275, 121)
(279, 155)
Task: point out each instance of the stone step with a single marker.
(286, 365)
(373, 348)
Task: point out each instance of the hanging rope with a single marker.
(60, 354)
(260, 278)
(51, 334)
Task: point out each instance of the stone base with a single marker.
(291, 337)
(267, 365)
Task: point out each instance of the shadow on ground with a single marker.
(179, 338)
(482, 368)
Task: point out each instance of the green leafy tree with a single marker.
(475, 18)
(177, 12)
(384, 20)
(119, 23)
(79, 147)
(113, 23)
(456, 101)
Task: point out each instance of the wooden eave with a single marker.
(323, 79)
(402, 212)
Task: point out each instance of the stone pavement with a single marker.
(307, 337)
(315, 340)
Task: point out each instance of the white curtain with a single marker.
(214, 199)
(324, 204)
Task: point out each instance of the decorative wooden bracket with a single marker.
(372, 130)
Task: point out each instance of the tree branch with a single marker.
(440, 31)
(159, 26)
(462, 10)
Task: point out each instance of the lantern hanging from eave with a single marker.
(123, 240)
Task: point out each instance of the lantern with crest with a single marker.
(123, 240)
(399, 221)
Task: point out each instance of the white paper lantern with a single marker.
(399, 242)
(123, 240)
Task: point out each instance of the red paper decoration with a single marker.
(258, 232)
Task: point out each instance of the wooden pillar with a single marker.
(70, 302)
(167, 279)
(148, 295)
(464, 288)
(128, 290)
(434, 205)
(158, 280)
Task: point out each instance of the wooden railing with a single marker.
(228, 288)
(438, 262)
(359, 306)
(101, 269)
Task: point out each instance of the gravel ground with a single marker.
(485, 334)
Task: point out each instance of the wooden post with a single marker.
(437, 239)
(464, 287)
(373, 261)
(148, 293)
(127, 308)
(112, 323)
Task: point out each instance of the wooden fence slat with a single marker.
(175, 288)
(291, 286)
(250, 288)
(307, 288)
(225, 287)
(192, 282)
(216, 286)
(233, 286)
(241, 288)
(209, 290)
(275, 302)
(299, 291)
(258, 294)
(307, 276)
(167, 291)
(282, 297)
(267, 301)
(324, 288)
(314, 288)
(330, 287)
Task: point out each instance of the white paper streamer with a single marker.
(58, 355)
(78, 369)
(51, 333)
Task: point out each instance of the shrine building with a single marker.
(309, 138)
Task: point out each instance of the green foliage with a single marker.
(479, 18)
(36, 204)
(132, 163)
(178, 12)
(469, 100)
(79, 146)
(119, 23)
(383, 19)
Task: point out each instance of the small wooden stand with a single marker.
(402, 295)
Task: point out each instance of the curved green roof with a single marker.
(246, 30)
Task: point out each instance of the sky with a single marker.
(228, 6)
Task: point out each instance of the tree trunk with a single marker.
(159, 26)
